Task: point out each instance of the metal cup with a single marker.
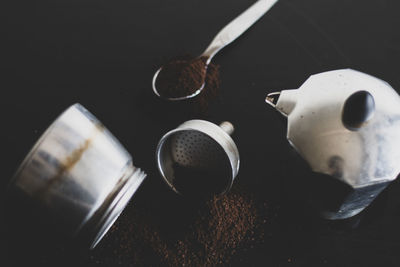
(80, 173)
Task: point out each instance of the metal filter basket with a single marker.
(80, 173)
(202, 146)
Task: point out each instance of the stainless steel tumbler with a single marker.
(79, 172)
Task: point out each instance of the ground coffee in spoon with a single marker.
(184, 75)
(181, 77)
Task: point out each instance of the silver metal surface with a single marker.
(366, 159)
(226, 36)
(80, 172)
(237, 27)
(198, 144)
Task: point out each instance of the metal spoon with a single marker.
(226, 36)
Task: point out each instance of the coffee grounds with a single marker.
(178, 232)
(197, 182)
(183, 76)
(210, 91)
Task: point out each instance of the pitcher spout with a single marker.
(272, 99)
(283, 101)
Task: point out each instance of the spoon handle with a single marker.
(238, 26)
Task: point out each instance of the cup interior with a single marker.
(193, 163)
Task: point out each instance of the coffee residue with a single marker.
(178, 232)
(181, 77)
(184, 75)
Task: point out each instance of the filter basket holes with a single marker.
(197, 163)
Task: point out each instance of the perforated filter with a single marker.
(195, 149)
(199, 157)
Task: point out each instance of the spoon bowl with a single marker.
(198, 91)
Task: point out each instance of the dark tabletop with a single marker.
(103, 55)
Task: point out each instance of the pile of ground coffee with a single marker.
(184, 75)
(181, 77)
(211, 89)
(178, 232)
(219, 231)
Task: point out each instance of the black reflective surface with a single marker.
(103, 55)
